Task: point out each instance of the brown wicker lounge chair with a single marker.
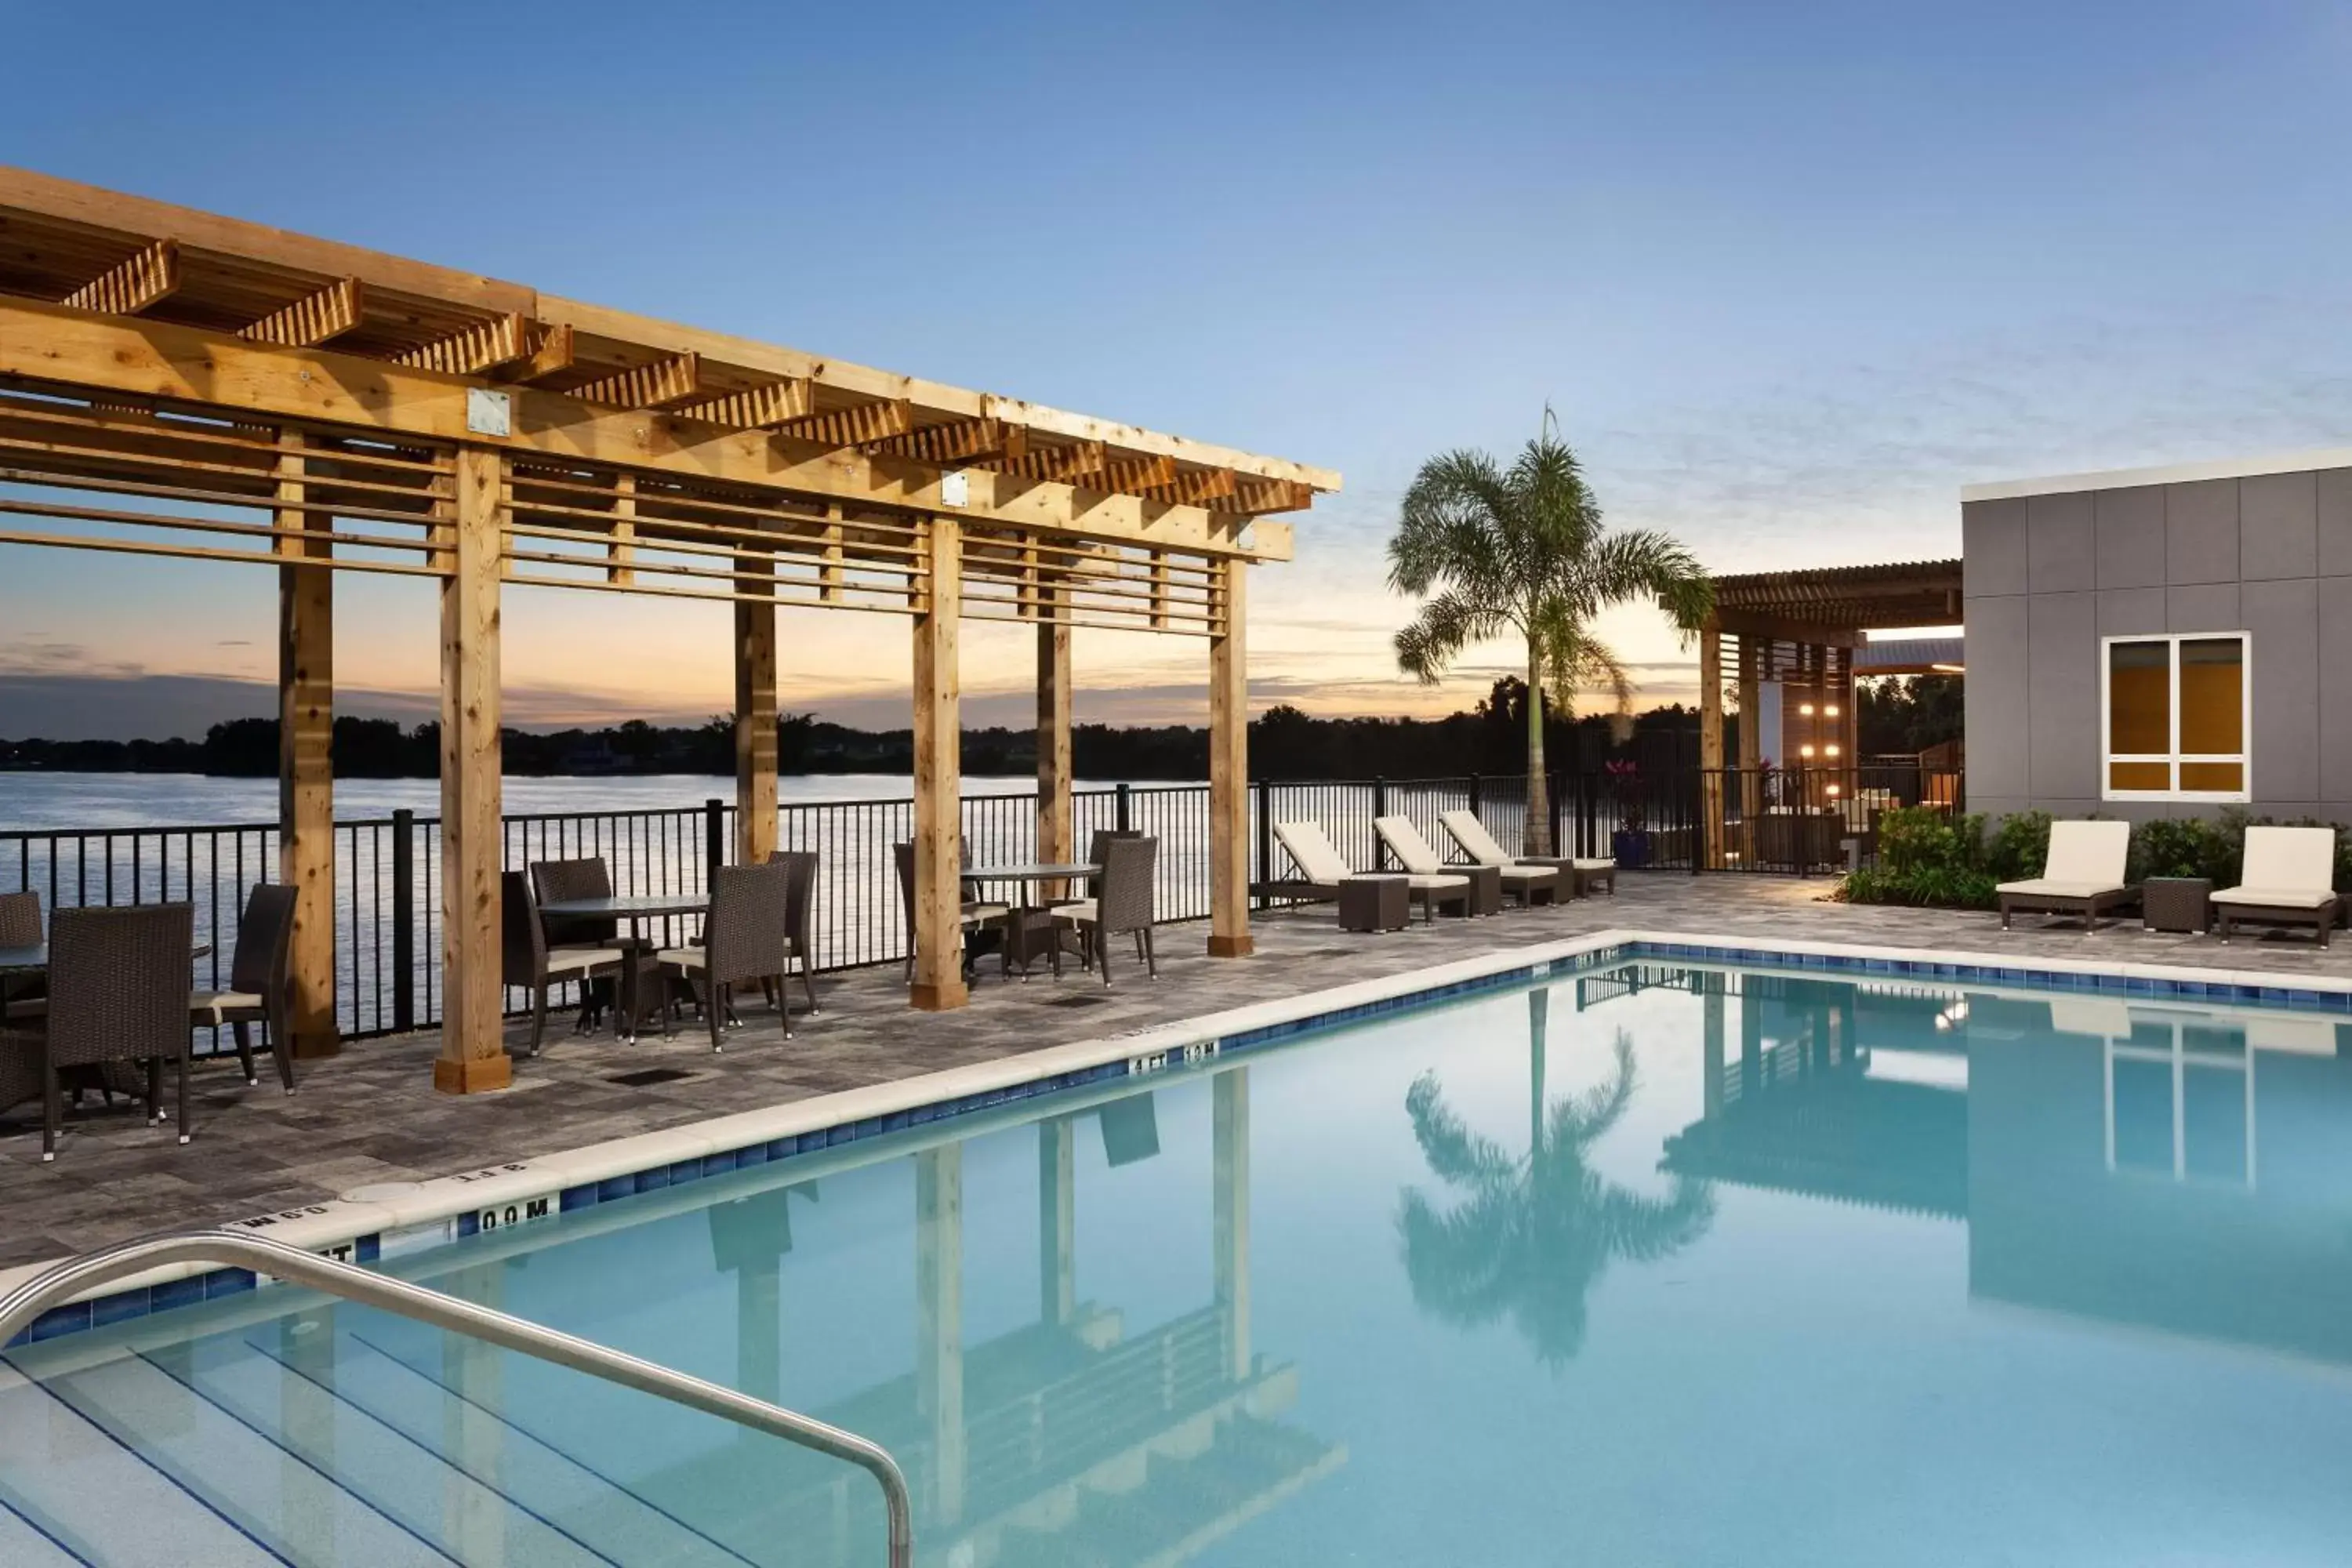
(2289, 879)
(1324, 869)
(1578, 875)
(2082, 876)
(256, 982)
(1529, 884)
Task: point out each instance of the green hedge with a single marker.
(1925, 856)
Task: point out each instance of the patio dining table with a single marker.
(35, 960)
(1029, 930)
(635, 908)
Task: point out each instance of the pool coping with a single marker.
(518, 1192)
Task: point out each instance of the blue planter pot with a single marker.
(1630, 847)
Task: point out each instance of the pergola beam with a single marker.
(965, 441)
(662, 385)
(46, 343)
(864, 426)
(763, 408)
(125, 290)
(313, 319)
(551, 355)
(477, 350)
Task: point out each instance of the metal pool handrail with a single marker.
(276, 1258)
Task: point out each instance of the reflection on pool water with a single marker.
(1670, 1265)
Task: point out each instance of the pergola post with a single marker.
(306, 773)
(1710, 741)
(1054, 817)
(755, 714)
(473, 1044)
(1751, 744)
(938, 935)
(1229, 932)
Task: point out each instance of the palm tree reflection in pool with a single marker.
(1532, 1237)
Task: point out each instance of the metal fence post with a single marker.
(1264, 838)
(1379, 809)
(1551, 807)
(714, 839)
(1478, 797)
(1124, 817)
(403, 921)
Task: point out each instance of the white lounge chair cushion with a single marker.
(211, 1006)
(2276, 898)
(2303, 858)
(1523, 876)
(578, 960)
(2085, 852)
(1594, 865)
(1430, 882)
(1311, 849)
(2053, 888)
(1405, 842)
(1475, 841)
(26, 1008)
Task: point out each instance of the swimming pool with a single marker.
(1660, 1262)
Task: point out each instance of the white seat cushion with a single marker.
(1082, 911)
(1433, 883)
(2301, 858)
(213, 1005)
(26, 1008)
(2053, 888)
(1525, 874)
(1594, 865)
(2081, 852)
(689, 958)
(977, 913)
(1312, 851)
(2276, 898)
(1405, 842)
(574, 960)
(1475, 841)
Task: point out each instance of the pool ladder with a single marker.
(291, 1264)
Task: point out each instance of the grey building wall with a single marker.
(2047, 576)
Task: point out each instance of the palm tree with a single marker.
(1493, 551)
(1534, 1235)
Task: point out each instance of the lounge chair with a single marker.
(1324, 869)
(2084, 874)
(1529, 884)
(2290, 879)
(1583, 874)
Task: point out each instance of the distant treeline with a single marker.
(1285, 744)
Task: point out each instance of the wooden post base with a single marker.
(1240, 946)
(474, 1075)
(317, 1048)
(942, 998)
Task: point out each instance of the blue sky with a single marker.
(1791, 274)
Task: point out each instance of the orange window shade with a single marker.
(2139, 775)
(2139, 701)
(2217, 778)
(2213, 699)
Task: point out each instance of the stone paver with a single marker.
(371, 1115)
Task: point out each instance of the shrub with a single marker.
(2020, 846)
(2186, 847)
(1925, 858)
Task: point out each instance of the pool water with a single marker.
(1656, 1265)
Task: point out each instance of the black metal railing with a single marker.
(387, 918)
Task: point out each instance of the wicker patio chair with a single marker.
(2288, 879)
(799, 903)
(2082, 876)
(978, 914)
(1123, 907)
(556, 881)
(256, 990)
(118, 995)
(743, 942)
(528, 962)
(1097, 851)
(20, 926)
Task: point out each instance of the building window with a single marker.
(2174, 710)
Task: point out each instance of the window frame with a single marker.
(2172, 760)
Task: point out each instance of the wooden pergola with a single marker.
(1801, 628)
(319, 408)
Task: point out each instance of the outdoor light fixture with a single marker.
(1831, 710)
(1804, 750)
(1806, 709)
(1833, 750)
(1834, 791)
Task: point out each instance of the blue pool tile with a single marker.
(653, 1180)
(613, 1187)
(121, 1307)
(684, 1170)
(227, 1282)
(580, 1197)
(719, 1164)
(757, 1155)
(174, 1293)
(70, 1319)
(468, 1223)
(368, 1248)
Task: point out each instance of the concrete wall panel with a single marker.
(2125, 612)
(2278, 526)
(2130, 525)
(1999, 675)
(2284, 619)
(1992, 547)
(2060, 544)
(2335, 617)
(2200, 532)
(2335, 504)
(2209, 607)
(2062, 696)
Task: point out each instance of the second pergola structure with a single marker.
(181, 384)
(1799, 631)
